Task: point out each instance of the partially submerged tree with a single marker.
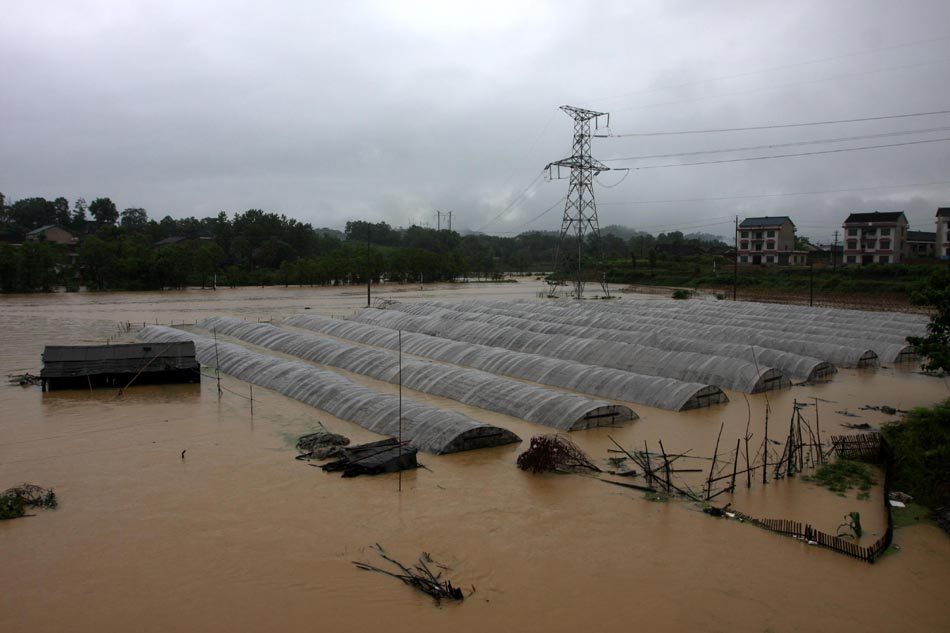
(935, 347)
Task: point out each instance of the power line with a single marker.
(540, 215)
(777, 125)
(513, 202)
(779, 195)
(773, 156)
(821, 141)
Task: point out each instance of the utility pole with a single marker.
(735, 268)
(369, 272)
(580, 210)
(438, 219)
(834, 253)
(811, 284)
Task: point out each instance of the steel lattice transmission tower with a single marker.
(580, 210)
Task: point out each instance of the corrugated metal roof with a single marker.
(89, 360)
(81, 353)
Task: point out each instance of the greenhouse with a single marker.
(604, 382)
(826, 348)
(889, 347)
(717, 370)
(613, 328)
(429, 429)
(563, 411)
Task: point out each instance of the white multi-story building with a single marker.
(875, 238)
(943, 233)
(768, 240)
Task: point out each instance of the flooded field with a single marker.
(238, 536)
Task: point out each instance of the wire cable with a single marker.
(777, 125)
(840, 139)
(773, 156)
(513, 202)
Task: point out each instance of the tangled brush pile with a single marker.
(553, 453)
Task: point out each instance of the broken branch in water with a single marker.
(419, 576)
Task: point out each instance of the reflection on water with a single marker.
(239, 536)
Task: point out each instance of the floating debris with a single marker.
(864, 426)
(375, 458)
(24, 380)
(418, 576)
(553, 453)
(321, 445)
(14, 501)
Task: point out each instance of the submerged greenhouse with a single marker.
(725, 372)
(429, 428)
(611, 328)
(827, 348)
(604, 382)
(562, 411)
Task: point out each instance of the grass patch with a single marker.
(843, 475)
(913, 514)
(920, 448)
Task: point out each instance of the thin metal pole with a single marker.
(217, 364)
(811, 283)
(400, 409)
(735, 267)
(821, 455)
(369, 277)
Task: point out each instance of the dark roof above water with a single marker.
(775, 220)
(943, 212)
(877, 216)
(82, 360)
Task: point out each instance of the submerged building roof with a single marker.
(60, 361)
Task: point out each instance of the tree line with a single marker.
(128, 250)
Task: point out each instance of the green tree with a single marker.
(103, 211)
(935, 346)
(134, 219)
(207, 260)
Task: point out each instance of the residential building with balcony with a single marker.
(768, 240)
(942, 242)
(875, 238)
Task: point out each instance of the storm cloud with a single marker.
(393, 110)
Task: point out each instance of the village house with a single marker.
(942, 241)
(53, 234)
(921, 244)
(875, 238)
(769, 240)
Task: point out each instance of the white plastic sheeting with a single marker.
(605, 382)
(428, 428)
(563, 411)
(610, 327)
(888, 346)
(828, 348)
(724, 372)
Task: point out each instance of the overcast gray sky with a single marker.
(392, 110)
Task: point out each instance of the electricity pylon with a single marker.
(580, 210)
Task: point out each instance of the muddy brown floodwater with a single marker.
(239, 536)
